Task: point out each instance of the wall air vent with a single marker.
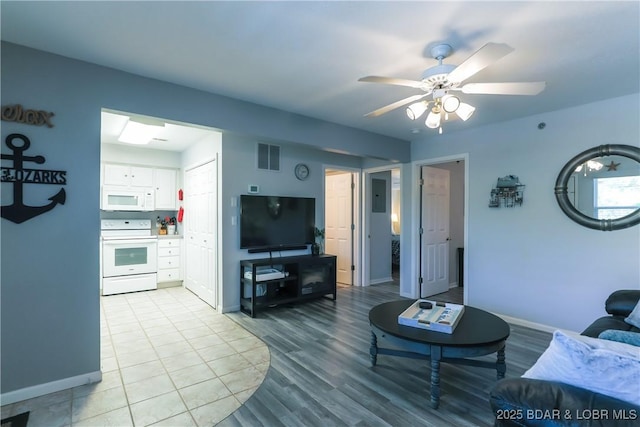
(268, 157)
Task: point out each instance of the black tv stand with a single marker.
(295, 279)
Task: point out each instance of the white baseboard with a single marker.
(174, 284)
(383, 280)
(228, 309)
(532, 325)
(50, 387)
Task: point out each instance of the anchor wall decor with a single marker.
(18, 175)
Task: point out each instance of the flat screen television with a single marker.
(275, 223)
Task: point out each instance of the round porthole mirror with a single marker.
(600, 187)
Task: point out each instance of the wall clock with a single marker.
(302, 171)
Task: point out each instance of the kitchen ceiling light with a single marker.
(139, 133)
(415, 110)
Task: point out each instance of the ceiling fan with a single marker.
(438, 83)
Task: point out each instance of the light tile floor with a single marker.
(168, 359)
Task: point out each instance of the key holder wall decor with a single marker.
(507, 193)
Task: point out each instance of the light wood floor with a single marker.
(320, 372)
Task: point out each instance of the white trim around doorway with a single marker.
(365, 209)
(357, 218)
(413, 204)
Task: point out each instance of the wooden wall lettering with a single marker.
(18, 175)
(15, 113)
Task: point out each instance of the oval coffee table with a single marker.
(477, 334)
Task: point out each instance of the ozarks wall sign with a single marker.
(17, 175)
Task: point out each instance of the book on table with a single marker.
(441, 317)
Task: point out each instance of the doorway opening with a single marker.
(382, 227)
(441, 218)
(341, 222)
(177, 188)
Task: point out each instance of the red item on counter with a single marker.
(180, 213)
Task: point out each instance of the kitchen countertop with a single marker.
(169, 236)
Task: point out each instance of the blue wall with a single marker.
(50, 298)
(237, 150)
(532, 262)
(529, 262)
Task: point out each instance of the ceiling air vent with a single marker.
(268, 157)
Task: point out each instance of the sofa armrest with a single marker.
(529, 402)
(622, 302)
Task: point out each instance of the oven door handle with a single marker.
(124, 243)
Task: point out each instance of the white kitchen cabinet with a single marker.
(169, 259)
(127, 176)
(165, 183)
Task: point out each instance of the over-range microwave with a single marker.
(127, 199)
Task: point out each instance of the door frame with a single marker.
(414, 237)
(357, 210)
(366, 221)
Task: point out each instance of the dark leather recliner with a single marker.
(529, 402)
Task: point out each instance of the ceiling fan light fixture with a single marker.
(414, 111)
(433, 119)
(450, 103)
(139, 133)
(465, 111)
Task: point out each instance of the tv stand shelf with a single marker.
(306, 277)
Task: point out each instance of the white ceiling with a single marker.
(174, 136)
(306, 57)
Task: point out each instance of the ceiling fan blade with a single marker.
(521, 88)
(483, 57)
(392, 81)
(397, 104)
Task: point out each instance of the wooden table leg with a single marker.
(373, 350)
(436, 356)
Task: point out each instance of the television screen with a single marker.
(276, 222)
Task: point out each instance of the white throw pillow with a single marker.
(606, 367)
(634, 316)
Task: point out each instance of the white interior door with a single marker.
(200, 231)
(338, 219)
(435, 226)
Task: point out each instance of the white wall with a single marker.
(202, 152)
(533, 262)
